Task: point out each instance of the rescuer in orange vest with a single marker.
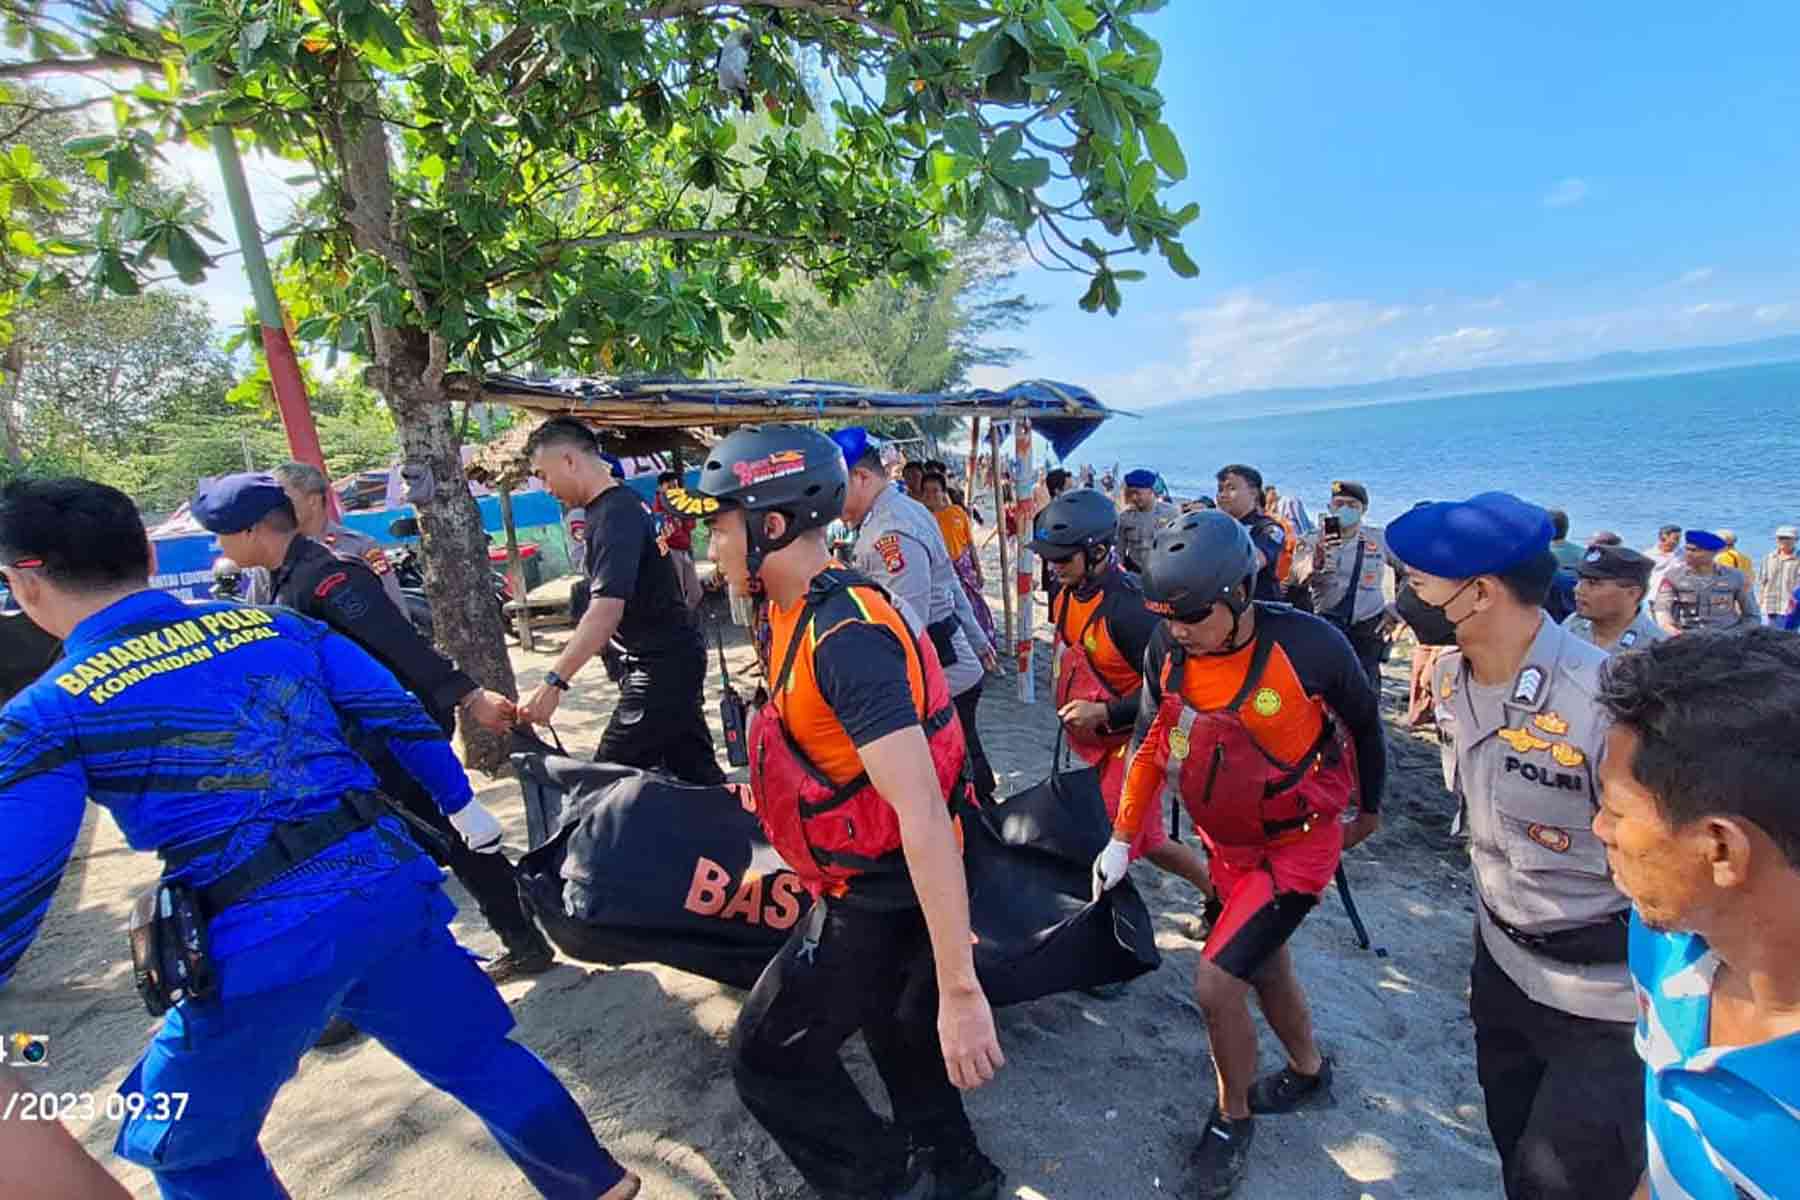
(1259, 719)
(1102, 632)
(856, 762)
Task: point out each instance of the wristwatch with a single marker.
(556, 681)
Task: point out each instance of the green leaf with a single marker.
(81, 147)
(1029, 173)
(1186, 216)
(1178, 259)
(1143, 183)
(432, 168)
(1006, 146)
(22, 241)
(963, 136)
(1079, 15)
(1165, 150)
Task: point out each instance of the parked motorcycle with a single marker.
(409, 569)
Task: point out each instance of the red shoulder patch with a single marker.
(888, 546)
(330, 584)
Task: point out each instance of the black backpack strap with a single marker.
(1345, 611)
(1259, 662)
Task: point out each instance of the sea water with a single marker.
(1714, 449)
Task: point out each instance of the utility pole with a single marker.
(278, 350)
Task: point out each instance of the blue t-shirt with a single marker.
(1724, 1121)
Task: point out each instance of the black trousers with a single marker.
(1565, 1094)
(659, 723)
(488, 877)
(980, 770)
(1370, 649)
(869, 971)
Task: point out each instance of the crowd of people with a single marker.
(1617, 727)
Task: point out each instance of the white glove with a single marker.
(1110, 866)
(478, 828)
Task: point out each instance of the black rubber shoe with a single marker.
(336, 1033)
(963, 1173)
(1223, 1155)
(1288, 1089)
(514, 963)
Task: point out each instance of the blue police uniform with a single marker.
(204, 729)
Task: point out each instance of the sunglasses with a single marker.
(1192, 616)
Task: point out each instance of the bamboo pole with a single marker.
(1025, 497)
(1006, 596)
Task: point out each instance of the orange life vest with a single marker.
(832, 831)
(1236, 792)
(1091, 667)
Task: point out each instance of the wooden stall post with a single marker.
(515, 567)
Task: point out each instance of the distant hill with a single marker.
(1626, 364)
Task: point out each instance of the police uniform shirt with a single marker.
(1524, 767)
(347, 544)
(1641, 632)
(1270, 539)
(1330, 583)
(345, 594)
(900, 547)
(1690, 599)
(623, 561)
(187, 721)
(1137, 530)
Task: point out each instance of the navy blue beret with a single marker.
(233, 503)
(612, 461)
(856, 443)
(1460, 539)
(1702, 539)
(1140, 478)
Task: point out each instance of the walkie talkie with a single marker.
(734, 715)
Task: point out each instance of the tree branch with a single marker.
(817, 8)
(99, 63)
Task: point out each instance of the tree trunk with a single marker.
(458, 579)
(409, 370)
(14, 365)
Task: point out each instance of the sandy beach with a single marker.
(1100, 1100)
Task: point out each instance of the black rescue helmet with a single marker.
(1195, 562)
(791, 469)
(1075, 520)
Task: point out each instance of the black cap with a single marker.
(1350, 488)
(1615, 562)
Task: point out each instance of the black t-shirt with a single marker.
(1327, 668)
(623, 562)
(1268, 536)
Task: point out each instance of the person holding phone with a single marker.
(1347, 580)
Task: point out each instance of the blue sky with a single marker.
(1403, 188)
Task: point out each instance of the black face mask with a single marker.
(1429, 622)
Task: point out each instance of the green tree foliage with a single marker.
(554, 182)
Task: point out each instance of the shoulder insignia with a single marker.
(1447, 686)
(578, 529)
(892, 556)
(377, 559)
(1523, 740)
(1550, 837)
(330, 584)
(1277, 535)
(329, 538)
(1551, 722)
(1531, 682)
(1628, 639)
(1567, 755)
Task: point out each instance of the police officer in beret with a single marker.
(254, 519)
(1697, 593)
(1142, 514)
(1523, 732)
(1609, 599)
(310, 491)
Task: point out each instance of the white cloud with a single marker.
(1568, 192)
(1243, 341)
(1697, 275)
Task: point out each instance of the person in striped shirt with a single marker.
(1701, 831)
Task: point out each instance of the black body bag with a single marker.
(634, 866)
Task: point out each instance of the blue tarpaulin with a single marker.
(1063, 413)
